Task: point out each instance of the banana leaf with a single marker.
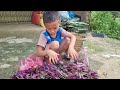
(74, 25)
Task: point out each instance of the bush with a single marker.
(103, 22)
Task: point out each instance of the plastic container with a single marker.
(36, 17)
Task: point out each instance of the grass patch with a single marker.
(92, 47)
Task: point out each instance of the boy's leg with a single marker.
(64, 45)
(59, 48)
(53, 46)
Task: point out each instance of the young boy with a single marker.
(55, 40)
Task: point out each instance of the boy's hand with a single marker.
(72, 53)
(53, 56)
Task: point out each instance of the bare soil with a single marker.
(104, 56)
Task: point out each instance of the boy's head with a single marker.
(51, 21)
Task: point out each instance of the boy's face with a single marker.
(52, 27)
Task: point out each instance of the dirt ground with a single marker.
(104, 56)
(19, 40)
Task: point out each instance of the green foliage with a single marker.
(103, 22)
(74, 25)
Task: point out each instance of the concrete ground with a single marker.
(16, 42)
(19, 40)
(104, 56)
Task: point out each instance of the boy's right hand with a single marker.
(53, 56)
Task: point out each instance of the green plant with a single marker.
(104, 22)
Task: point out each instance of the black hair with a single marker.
(50, 16)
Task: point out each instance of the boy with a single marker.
(54, 40)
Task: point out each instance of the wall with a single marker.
(84, 15)
(15, 16)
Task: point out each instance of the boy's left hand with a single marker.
(72, 53)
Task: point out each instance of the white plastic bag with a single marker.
(64, 14)
(83, 57)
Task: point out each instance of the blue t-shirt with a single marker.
(50, 39)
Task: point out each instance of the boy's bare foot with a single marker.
(64, 56)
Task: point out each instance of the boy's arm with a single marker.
(41, 45)
(72, 39)
(71, 51)
(40, 52)
(53, 56)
